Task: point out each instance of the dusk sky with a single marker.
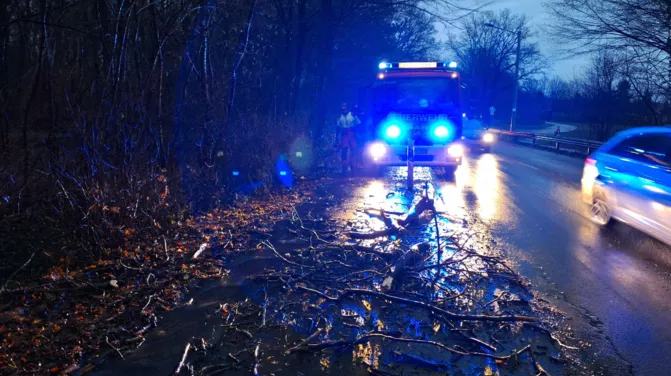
(539, 17)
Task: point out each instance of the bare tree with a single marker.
(639, 30)
(487, 55)
(613, 23)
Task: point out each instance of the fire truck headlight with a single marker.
(441, 131)
(393, 131)
(455, 151)
(488, 138)
(377, 150)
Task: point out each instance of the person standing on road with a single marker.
(346, 137)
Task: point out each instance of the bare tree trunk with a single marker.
(50, 61)
(298, 67)
(242, 50)
(205, 35)
(4, 76)
(31, 98)
(325, 72)
(286, 66)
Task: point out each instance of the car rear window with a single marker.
(649, 148)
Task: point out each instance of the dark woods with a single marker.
(121, 117)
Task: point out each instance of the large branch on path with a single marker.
(444, 313)
(420, 207)
(394, 227)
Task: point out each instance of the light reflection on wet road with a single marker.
(615, 284)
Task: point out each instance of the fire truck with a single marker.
(414, 112)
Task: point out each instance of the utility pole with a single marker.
(513, 116)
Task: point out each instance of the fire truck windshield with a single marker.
(416, 93)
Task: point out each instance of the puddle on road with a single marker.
(289, 309)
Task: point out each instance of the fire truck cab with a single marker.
(415, 116)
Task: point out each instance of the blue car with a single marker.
(629, 179)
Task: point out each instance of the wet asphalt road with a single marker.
(614, 285)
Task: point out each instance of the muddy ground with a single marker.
(350, 281)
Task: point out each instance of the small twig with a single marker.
(562, 344)
(435, 221)
(16, 271)
(233, 357)
(245, 332)
(116, 349)
(539, 368)
(199, 251)
(128, 267)
(265, 309)
(165, 245)
(473, 339)
(498, 298)
(370, 211)
(148, 301)
(241, 351)
(272, 248)
(181, 362)
(304, 342)
(549, 332)
(256, 360)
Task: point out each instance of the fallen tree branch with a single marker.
(446, 314)
(272, 248)
(366, 337)
(416, 210)
(181, 362)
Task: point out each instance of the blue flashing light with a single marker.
(384, 65)
(441, 131)
(393, 131)
(453, 64)
(236, 173)
(283, 171)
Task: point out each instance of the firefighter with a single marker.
(346, 136)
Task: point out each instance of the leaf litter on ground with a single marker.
(73, 318)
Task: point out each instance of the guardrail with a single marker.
(557, 143)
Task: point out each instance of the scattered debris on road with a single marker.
(307, 284)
